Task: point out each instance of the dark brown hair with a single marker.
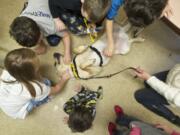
(96, 9)
(23, 65)
(80, 119)
(25, 31)
(141, 13)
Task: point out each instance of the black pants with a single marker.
(153, 101)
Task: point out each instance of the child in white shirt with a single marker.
(21, 86)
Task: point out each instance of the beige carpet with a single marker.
(159, 52)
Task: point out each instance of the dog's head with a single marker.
(59, 63)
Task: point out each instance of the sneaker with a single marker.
(111, 128)
(53, 40)
(118, 110)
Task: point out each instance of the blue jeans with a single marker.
(34, 103)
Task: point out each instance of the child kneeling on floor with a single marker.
(35, 25)
(133, 126)
(81, 109)
(21, 86)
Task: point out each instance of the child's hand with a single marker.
(142, 74)
(65, 119)
(59, 24)
(66, 76)
(78, 87)
(109, 50)
(165, 128)
(168, 11)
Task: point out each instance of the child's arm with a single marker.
(115, 5)
(109, 30)
(67, 48)
(59, 86)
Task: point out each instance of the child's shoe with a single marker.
(111, 128)
(118, 110)
(53, 40)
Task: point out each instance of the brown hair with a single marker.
(142, 13)
(80, 119)
(96, 9)
(25, 31)
(23, 65)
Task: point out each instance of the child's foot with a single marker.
(100, 91)
(67, 59)
(111, 128)
(118, 110)
(41, 49)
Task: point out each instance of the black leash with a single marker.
(110, 75)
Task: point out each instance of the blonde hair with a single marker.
(23, 65)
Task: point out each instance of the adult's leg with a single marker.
(153, 101)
